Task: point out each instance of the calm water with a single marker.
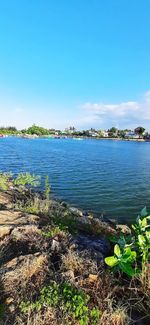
(110, 177)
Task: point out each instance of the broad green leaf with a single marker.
(140, 221)
(117, 251)
(133, 253)
(148, 217)
(141, 240)
(111, 261)
(127, 251)
(144, 222)
(134, 227)
(144, 212)
(128, 269)
(128, 256)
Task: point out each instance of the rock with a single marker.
(93, 277)
(64, 204)
(84, 220)
(76, 211)
(100, 227)
(13, 218)
(11, 308)
(4, 198)
(99, 246)
(19, 232)
(69, 275)
(5, 231)
(19, 271)
(9, 301)
(55, 246)
(124, 229)
(86, 214)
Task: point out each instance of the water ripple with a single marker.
(100, 176)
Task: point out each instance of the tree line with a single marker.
(41, 131)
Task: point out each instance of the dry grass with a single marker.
(117, 316)
(72, 262)
(24, 276)
(32, 268)
(145, 280)
(80, 265)
(50, 316)
(138, 293)
(99, 289)
(39, 318)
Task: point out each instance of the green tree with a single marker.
(113, 130)
(139, 130)
(38, 130)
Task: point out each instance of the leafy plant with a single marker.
(95, 315)
(70, 299)
(131, 254)
(24, 306)
(27, 179)
(142, 236)
(4, 181)
(51, 232)
(123, 260)
(32, 206)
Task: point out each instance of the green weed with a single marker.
(70, 299)
(4, 181)
(27, 179)
(50, 233)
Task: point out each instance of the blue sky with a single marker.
(81, 62)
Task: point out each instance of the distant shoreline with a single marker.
(72, 137)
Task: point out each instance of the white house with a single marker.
(131, 135)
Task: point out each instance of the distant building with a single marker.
(93, 133)
(70, 130)
(147, 135)
(131, 135)
(104, 134)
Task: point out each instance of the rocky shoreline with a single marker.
(56, 244)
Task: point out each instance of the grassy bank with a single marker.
(62, 266)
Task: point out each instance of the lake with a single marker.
(102, 176)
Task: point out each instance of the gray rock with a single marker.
(93, 243)
(76, 211)
(55, 246)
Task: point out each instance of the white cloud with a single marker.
(127, 114)
(131, 110)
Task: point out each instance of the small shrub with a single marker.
(122, 260)
(115, 316)
(95, 315)
(51, 232)
(131, 255)
(71, 300)
(32, 206)
(4, 181)
(27, 179)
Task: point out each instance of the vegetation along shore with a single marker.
(59, 265)
(34, 131)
